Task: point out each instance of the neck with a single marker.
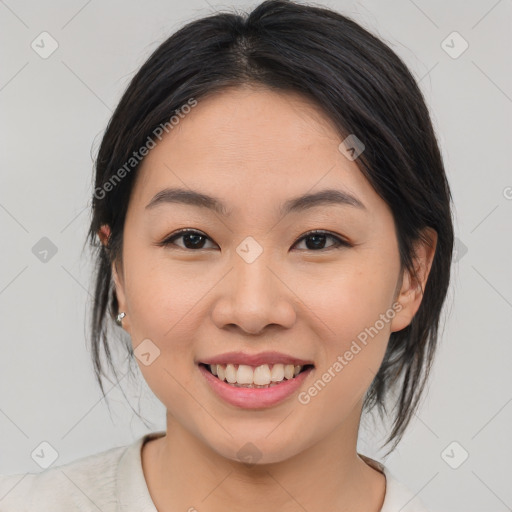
(184, 473)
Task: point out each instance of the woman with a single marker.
(275, 236)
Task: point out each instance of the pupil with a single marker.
(194, 244)
(316, 246)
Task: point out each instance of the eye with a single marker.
(193, 239)
(318, 238)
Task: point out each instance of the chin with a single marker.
(257, 450)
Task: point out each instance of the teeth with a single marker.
(260, 376)
(244, 375)
(230, 373)
(277, 373)
(288, 371)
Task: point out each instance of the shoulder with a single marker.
(398, 497)
(85, 484)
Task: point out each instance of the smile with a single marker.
(262, 376)
(255, 387)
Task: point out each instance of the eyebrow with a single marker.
(297, 204)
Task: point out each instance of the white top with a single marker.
(113, 481)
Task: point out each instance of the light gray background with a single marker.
(54, 112)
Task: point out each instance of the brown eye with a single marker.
(191, 239)
(315, 240)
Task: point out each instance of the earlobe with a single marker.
(413, 283)
(119, 291)
(409, 300)
(104, 235)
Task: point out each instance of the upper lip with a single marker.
(255, 359)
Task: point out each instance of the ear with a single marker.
(104, 235)
(411, 290)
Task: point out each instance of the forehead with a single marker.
(251, 142)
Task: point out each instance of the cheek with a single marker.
(164, 303)
(164, 307)
(351, 299)
(354, 312)
(353, 347)
(163, 297)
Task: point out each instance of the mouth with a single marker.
(260, 377)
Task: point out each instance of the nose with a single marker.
(254, 295)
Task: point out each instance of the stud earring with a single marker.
(120, 317)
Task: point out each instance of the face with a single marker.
(250, 277)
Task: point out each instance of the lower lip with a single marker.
(254, 398)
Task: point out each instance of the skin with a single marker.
(254, 148)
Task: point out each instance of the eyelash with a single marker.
(340, 242)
